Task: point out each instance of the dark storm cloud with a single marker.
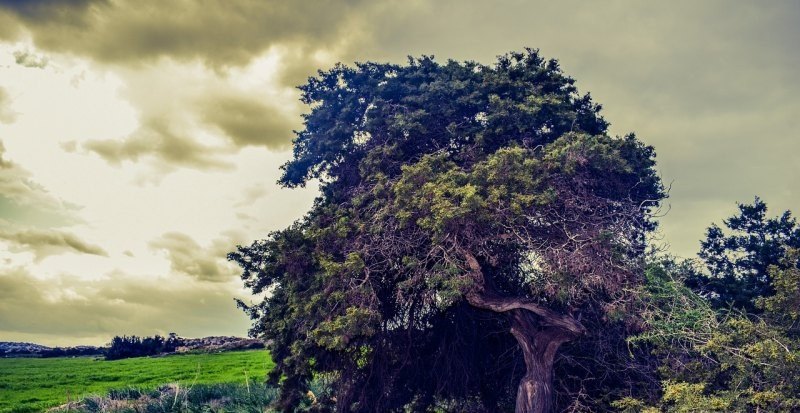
(46, 242)
(248, 121)
(158, 140)
(71, 307)
(204, 264)
(241, 120)
(220, 33)
(62, 11)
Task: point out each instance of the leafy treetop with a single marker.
(739, 258)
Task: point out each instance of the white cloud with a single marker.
(187, 257)
(69, 310)
(7, 115)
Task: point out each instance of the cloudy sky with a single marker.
(140, 140)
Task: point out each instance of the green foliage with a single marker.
(632, 405)
(739, 258)
(720, 361)
(684, 397)
(784, 305)
(675, 316)
(403, 111)
(337, 333)
(28, 385)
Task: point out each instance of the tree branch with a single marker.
(480, 299)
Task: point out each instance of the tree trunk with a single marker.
(539, 331)
(539, 346)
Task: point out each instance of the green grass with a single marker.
(31, 385)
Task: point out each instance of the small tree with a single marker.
(739, 258)
(459, 202)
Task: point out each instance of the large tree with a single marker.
(472, 218)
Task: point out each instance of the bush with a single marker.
(133, 346)
(73, 352)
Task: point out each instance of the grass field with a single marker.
(31, 385)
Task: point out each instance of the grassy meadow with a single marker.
(34, 384)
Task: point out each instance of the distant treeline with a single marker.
(73, 351)
(133, 346)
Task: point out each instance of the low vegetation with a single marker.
(32, 385)
(227, 397)
(175, 398)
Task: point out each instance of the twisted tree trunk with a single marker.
(539, 347)
(539, 331)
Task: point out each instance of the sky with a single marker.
(140, 141)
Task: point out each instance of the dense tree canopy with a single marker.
(473, 218)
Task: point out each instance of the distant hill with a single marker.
(10, 347)
(15, 349)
